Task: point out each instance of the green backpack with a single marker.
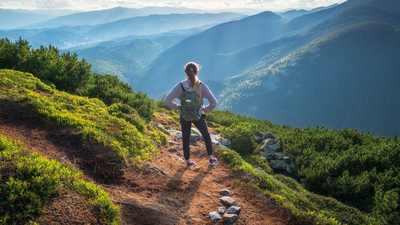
(190, 105)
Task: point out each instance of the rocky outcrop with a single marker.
(221, 140)
(273, 152)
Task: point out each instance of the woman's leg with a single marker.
(202, 126)
(186, 130)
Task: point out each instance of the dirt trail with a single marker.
(182, 196)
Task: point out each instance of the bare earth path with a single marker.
(181, 196)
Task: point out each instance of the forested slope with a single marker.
(345, 79)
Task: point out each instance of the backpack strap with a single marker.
(183, 89)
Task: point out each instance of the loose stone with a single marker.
(234, 209)
(228, 201)
(225, 192)
(214, 216)
(230, 218)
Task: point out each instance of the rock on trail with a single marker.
(215, 216)
(234, 209)
(225, 192)
(230, 218)
(228, 201)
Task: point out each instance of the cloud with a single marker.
(264, 1)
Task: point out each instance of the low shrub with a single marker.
(242, 137)
(29, 181)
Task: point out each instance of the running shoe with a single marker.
(213, 161)
(191, 164)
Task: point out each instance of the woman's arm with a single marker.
(174, 93)
(211, 99)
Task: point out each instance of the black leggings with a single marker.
(186, 131)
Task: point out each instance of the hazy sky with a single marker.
(273, 5)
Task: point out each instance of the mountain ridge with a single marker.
(105, 16)
(206, 47)
(293, 75)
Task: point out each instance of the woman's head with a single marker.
(191, 70)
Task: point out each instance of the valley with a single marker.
(306, 118)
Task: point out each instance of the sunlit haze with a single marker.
(211, 5)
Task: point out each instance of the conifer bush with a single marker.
(29, 181)
(67, 73)
(242, 137)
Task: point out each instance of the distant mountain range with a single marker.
(11, 19)
(70, 37)
(107, 16)
(214, 48)
(297, 73)
(156, 24)
(291, 14)
(124, 57)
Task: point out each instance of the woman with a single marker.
(191, 110)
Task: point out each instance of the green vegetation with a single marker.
(287, 193)
(242, 137)
(113, 117)
(116, 127)
(69, 74)
(29, 181)
(360, 170)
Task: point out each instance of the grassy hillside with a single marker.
(79, 112)
(114, 104)
(360, 170)
(346, 79)
(118, 127)
(28, 182)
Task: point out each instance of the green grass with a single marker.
(28, 181)
(90, 118)
(360, 170)
(307, 207)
